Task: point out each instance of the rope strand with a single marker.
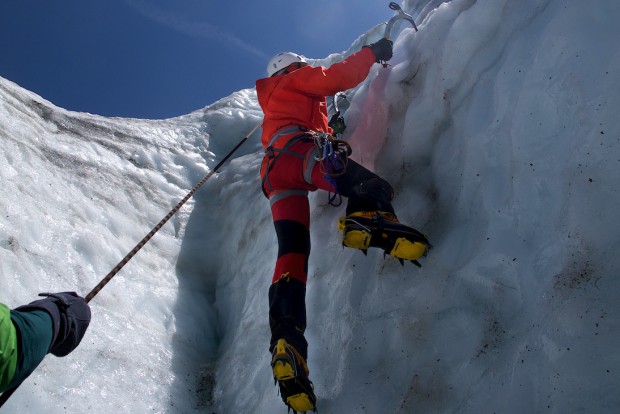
(163, 221)
(7, 394)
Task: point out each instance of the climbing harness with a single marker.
(272, 154)
(333, 156)
(7, 394)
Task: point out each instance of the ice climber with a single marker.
(301, 155)
(55, 324)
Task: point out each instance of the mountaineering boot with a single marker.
(290, 371)
(364, 229)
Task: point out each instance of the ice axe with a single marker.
(401, 15)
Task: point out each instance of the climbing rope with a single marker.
(7, 394)
(163, 221)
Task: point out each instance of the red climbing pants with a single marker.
(287, 179)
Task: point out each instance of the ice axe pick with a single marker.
(400, 15)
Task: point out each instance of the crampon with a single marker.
(362, 230)
(290, 372)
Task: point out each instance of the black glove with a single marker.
(382, 49)
(70, 318)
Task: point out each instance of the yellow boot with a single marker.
(290, 371)
(364, 229)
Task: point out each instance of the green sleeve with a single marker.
(34, 337)
(8, 348)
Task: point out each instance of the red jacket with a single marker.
(298, 97)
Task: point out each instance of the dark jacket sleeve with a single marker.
(34, 336)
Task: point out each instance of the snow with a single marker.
(500, 134)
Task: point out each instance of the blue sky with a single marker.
(158, 59)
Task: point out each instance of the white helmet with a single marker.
(282, 60)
